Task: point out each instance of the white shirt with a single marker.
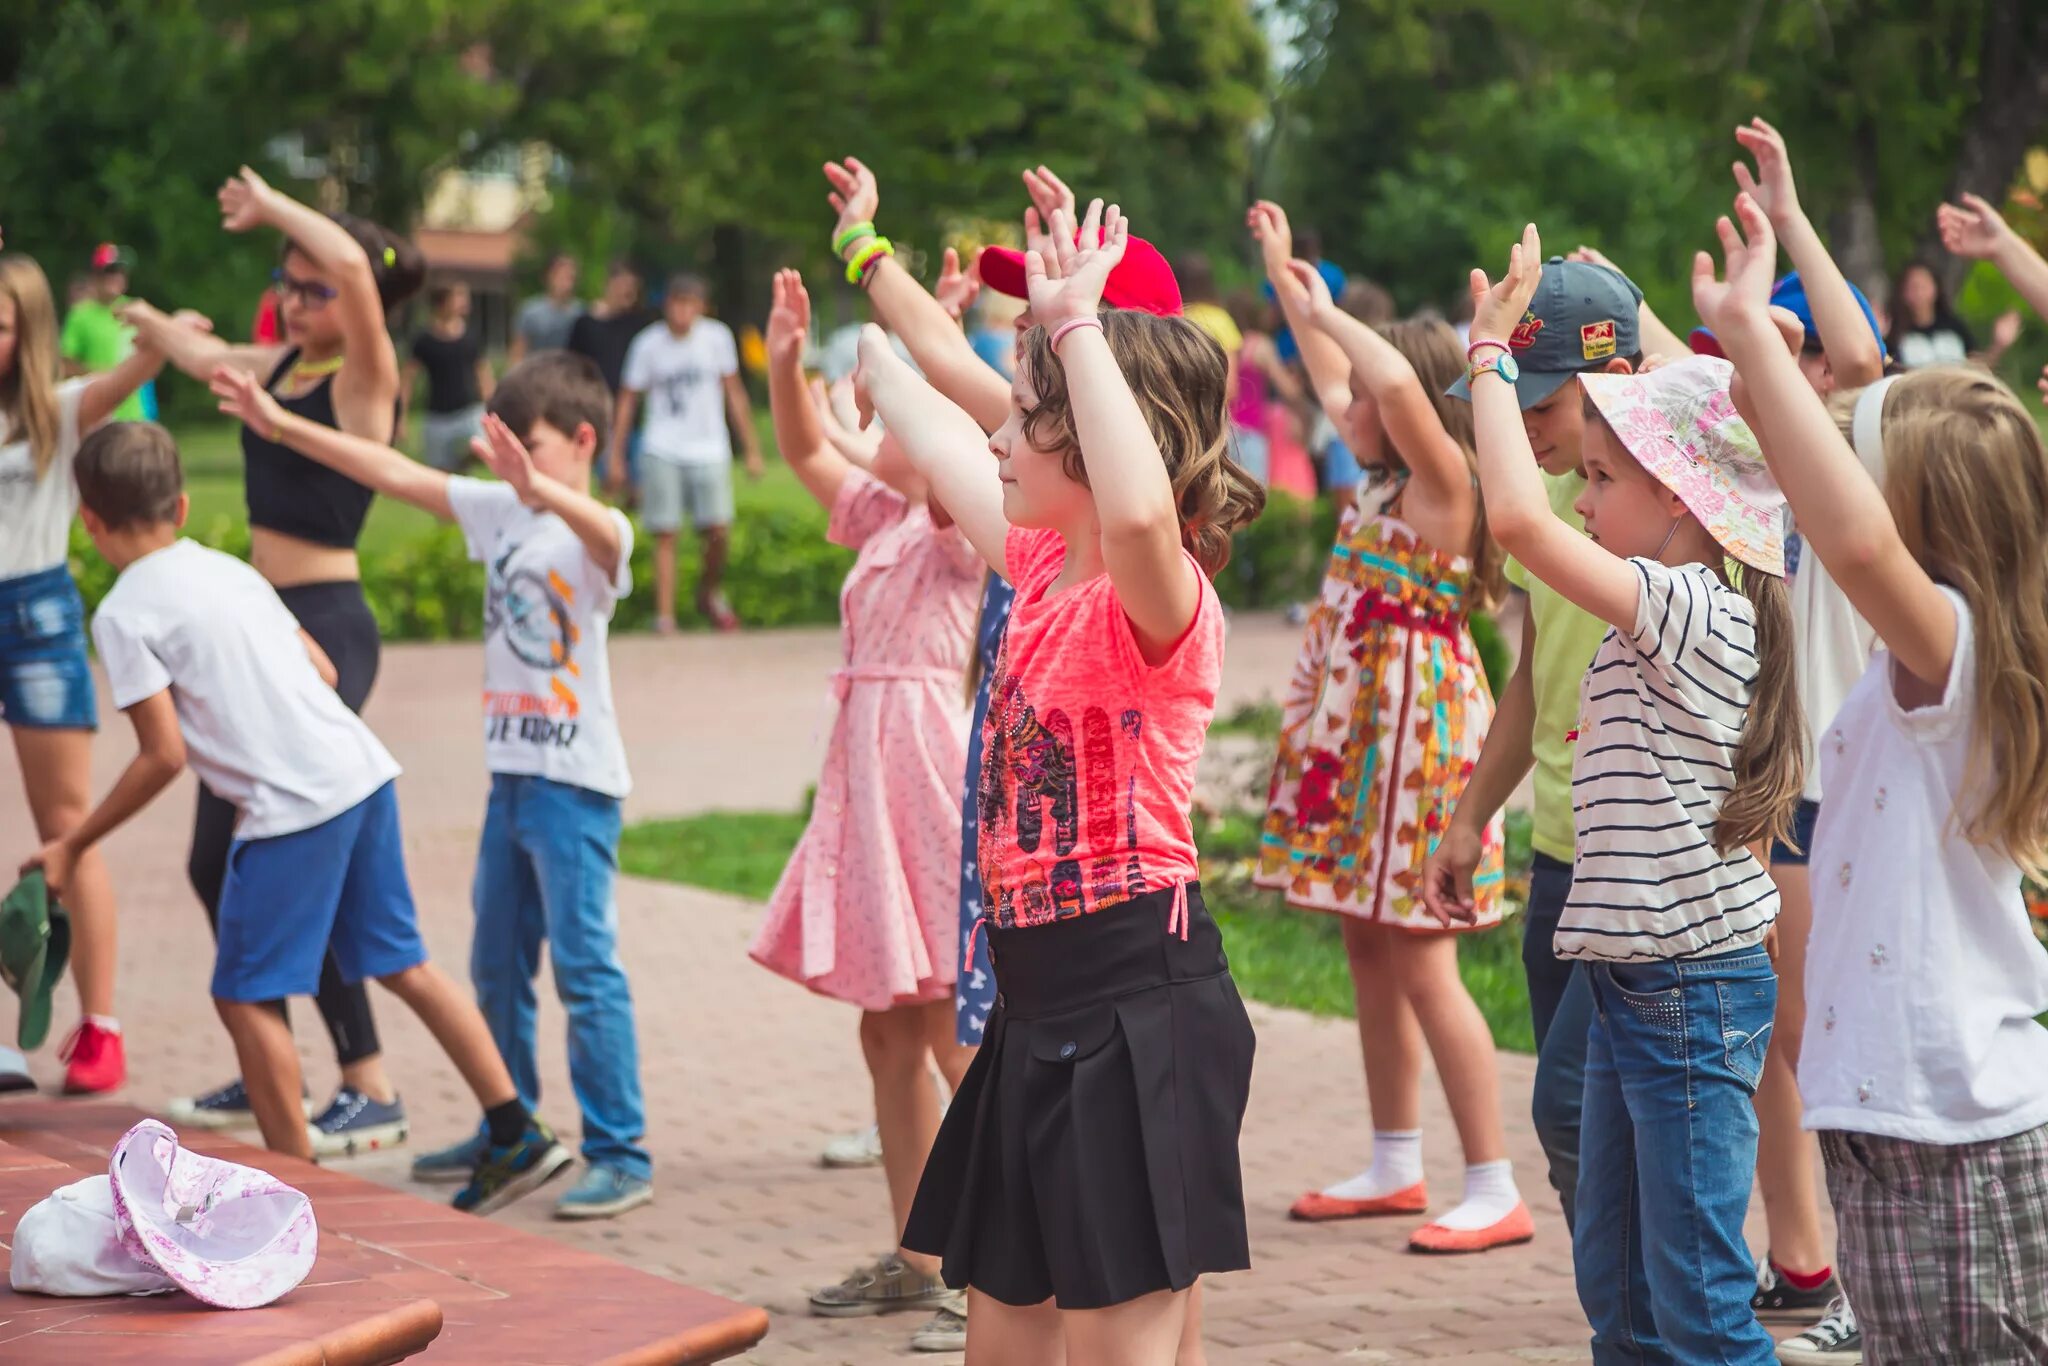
(683, 379)
(547, 672)
(1922, 976)
(261, 727)
(1831, 641)
(1661, 713)
(35, 514)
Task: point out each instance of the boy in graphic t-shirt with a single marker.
(214, 671)
(558, 561)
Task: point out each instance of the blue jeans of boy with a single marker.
(544, 874)
(1560, 1007)
(1666, 1157)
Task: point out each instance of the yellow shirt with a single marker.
(1216, 321)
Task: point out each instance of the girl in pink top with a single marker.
(867, 910)
(1089, 1160)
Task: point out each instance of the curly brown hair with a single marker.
(1178, 374)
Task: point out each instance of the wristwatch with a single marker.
(1501, 363)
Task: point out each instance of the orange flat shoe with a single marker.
(1317, 1208)
(1514, 1227)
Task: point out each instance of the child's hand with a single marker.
(245, 201)
(1320, 305)
(508, 458)
(875, 357)
(1268, 222)
(1745, 295)
(1049, 195)
(1447, 877)
(855, 196)
(2005, 330)
(56, 860)
(789, 319)
(1975, 230)
(1776, 195)
(243, 397)
(1067, 283)
(1497, 309)
(957, 289)
(1588, 256)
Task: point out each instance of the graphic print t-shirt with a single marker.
(547, 609)
(1089, 753)
(684, 381)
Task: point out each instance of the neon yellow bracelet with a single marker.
(871, 250)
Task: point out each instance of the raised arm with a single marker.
(188, 343)
(1517, 507)
(1657, 338)
(799, 433)
(370, 463)
(1842, 514)
(858, 448)
(109, 388)
(946, 445)
(1845, 333)
(1329, 371)
(1979, 231)
(594, 524)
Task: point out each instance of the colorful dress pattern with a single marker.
(975, 996)
(867, 911)
(1383, 721)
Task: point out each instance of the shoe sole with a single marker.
(607, 1210)
(949, 1344)
(843, 1164)
(873, 1308)
(1803, 1314)
(551, 1165)
(367, 1139)
(444, 1176)
(1804, 1358)
(1419, 1250)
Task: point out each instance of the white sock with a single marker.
(1396, 1165)
(106, 1022)
(1490, 1196)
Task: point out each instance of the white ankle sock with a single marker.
(1490, 1196)
(1396, 1165)
(106, 1022)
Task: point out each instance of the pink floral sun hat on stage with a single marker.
(231, 1236)
(1680, 424)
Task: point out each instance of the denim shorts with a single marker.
(1803, 821)
(45, 680)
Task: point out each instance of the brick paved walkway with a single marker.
(747, 1075)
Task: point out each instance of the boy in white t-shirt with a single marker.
(213, 670)
(686, 368)
(558, 561)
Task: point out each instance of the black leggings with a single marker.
(335, 615)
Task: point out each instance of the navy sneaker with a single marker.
(455, 1163)
(354, 1123)
(224, 1107)
(604, 1191)
(507, 1174)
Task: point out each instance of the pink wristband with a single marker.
(1059, 333)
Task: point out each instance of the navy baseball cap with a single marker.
(1581, 317)
(1790, 295)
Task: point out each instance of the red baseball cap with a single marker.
(1142, 280)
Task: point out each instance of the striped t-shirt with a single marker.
(1660, 715)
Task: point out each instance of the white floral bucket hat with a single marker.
(1680, 424)
(228, 1235)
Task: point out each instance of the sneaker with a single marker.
(945, 1331)
(604, 1191)
(720, 613)
(1834, 1341)
(454, 1164)
(354, 1123)
(224, 1107)
(506, 1174)
(664, 626)
(863, 1149)
(95, 1061)
(1777, 1297)
(14, 1073)
(887, 1287)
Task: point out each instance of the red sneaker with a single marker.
(95, 1062)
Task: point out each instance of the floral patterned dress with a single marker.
(1383, 721)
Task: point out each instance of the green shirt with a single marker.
(98, 340)
(1567, 638)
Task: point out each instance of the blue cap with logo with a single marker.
(1790, 295)
(1582, 317)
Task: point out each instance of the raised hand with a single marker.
(875, 356)
(2005, 330)
(1320, 304)
(1974, 229)
(1589, 256)
(789, 319)
(1772, 186)
(1268, 222)
(1497, 309)
(243, 397)
(507, 457)
(854, 196)
(1049, 195)
(245, 201)
(1067, 283)
(957, 288)
(1751, 255)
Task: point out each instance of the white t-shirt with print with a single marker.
(683, 383)
(548, 708)
(36, 513)
(1923, 977)
(261, 727)
(1661, 714)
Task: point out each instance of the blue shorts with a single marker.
(291, 898)
(45, 679)
(1803, 821)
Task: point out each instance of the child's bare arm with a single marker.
(1977, 230)
(159, 757)
(945, 444)
(799, 432)
(594, 524)
(322, 665)
(370, 463)
(1329, 370)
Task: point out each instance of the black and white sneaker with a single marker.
(1834, 1341)
(224, 1107)
(1777, 1297)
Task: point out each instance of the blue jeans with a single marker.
(45, 681)
(544, 873)
(1561, 1008)
(1668, 1156)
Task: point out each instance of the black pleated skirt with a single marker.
(1090, 1156)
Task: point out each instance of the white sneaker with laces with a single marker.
(1834, 1341)
(863, 1149)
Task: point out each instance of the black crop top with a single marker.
(292, 495)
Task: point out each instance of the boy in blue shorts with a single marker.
(213, 670)
(557, 561)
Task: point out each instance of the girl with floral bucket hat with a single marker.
(1688, 759)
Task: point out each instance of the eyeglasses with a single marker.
(311, 294)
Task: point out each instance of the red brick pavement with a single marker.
(746, 1075)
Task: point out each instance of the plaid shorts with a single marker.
(1943, 1250)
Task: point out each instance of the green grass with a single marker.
(738, 852)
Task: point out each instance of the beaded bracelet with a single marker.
(1473, 349)
(871, 251)
(854, 232)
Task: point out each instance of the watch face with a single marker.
(1509, 370)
